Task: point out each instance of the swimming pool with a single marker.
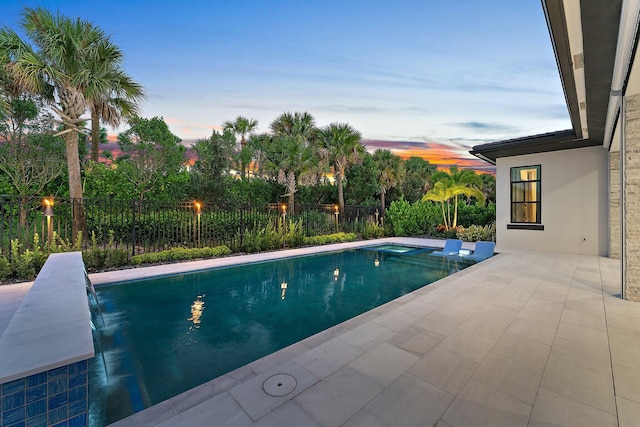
(163, 336)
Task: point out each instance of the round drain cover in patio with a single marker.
(279, 385)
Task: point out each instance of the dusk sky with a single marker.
(423, 77)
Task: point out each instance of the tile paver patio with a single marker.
(525, 338)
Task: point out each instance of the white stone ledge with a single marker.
(51, 328)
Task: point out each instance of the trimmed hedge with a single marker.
(329, 238)
(180, 254)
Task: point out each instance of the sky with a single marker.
(420, 77)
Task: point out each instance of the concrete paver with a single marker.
(524, 338)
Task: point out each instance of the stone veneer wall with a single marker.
(614, 205)
(631, 198)
(55, 397)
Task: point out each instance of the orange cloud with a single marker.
(436, 153)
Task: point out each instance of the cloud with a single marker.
(443, 155)
(487, 127)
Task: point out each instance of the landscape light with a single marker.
(48, 208)
(198, 207)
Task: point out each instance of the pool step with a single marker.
(427, 261)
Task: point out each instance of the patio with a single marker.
(524, 338)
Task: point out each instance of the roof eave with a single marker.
(552, 141)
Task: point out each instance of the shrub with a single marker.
(39, 256)
(293, 236)
(180, 254)
(96, 258)
(412, 220)
(22, 263)
(5, 268)
(476, 233)
(372, 230)
(476, 214)
(441, 231)
(329, 238)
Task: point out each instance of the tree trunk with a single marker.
(291, 188)
(340, 191)
(75, 182)
(382, 203)
(95, 136)
(444, 217)
(455, 212)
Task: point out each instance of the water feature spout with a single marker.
(92, 291)
(96, 340)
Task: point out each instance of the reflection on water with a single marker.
(196, 311)
(159, 340)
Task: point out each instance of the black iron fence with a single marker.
(149, 226)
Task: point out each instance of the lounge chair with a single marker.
(451, 247)
(483, 251)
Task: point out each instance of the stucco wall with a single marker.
(575, 200)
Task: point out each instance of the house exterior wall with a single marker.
(574, 197)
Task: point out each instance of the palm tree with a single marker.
(445, 190)
(61, 66)
(391, 172)
(120, 101)
(242, 127)
(441, 193)
(465, 182)
(340, 144)
(302, 125)
(5, 82)
(291, 152)
(293, 162)
(258, 144)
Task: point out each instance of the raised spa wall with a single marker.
(45, 350)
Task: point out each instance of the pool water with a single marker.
(163, 336)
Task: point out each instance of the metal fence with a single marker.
(149, 226)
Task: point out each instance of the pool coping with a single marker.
(172, 407)
(192, 266)
(53, 315)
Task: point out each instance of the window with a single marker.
(525, 195)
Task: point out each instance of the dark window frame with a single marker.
(534, 225)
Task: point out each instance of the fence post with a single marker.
(133, 227)
(241, 226)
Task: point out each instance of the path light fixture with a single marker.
(197, 206)
(48, 213)
(283, 209)
(337, 212)
(48, 207)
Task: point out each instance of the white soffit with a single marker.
(574, 28)
(629, 21)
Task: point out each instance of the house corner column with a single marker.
(614, 204)
(630, 227)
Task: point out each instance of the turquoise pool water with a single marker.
(163, 336)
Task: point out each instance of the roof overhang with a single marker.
(584, 36)
(542, 143)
